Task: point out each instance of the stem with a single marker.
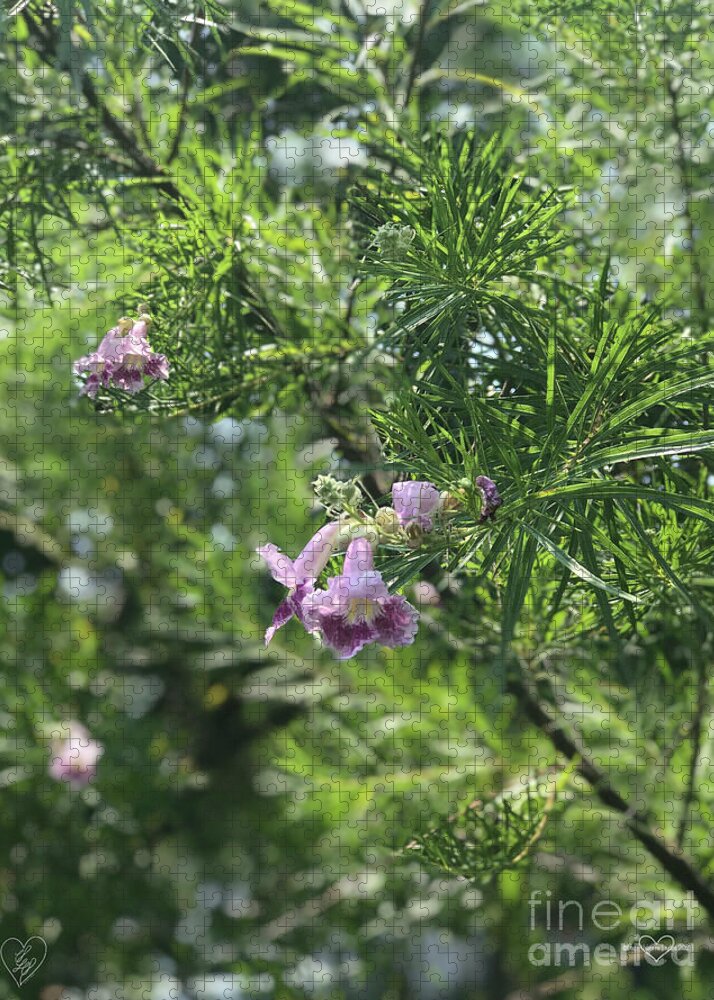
(681, 868)
(183, 107)
(351, 298)
(697, 729)
(685, 183)
(416, 54)
(124, 137)
(700, 300)
(127, 141)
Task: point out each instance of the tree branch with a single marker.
(183, 107)
(124, 137)
(696, 731)
(681, 868)
(685, 183)
(416, 54)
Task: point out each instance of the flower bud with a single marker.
(336, 495)
(449, 503)
(415, 533)
(415, 502)
(352, 495)
(387, 520)
(394, 240)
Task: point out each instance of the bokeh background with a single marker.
(245, 835)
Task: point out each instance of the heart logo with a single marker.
(23, 960)
(656, 950)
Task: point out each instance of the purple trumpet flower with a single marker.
(75, 758)
(298, 576)
(414, 503)
(357, 609)
(123, 359)
(491, 497)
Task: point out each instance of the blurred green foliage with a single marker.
(252, 829)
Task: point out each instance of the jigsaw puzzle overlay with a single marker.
(355, 500)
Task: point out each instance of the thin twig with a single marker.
(697, 733)
(183, 107)
(124, 137)
(416, 54)
(685, 182)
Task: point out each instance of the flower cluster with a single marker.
(394, 240)
(75, 757)
(356, 608)
(123, 359)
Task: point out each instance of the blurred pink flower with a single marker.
(75, 758)
(357, 609)
(426, 594)
(123, 359)
(298, 576)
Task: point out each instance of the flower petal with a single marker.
(316, 554)
(128, 378)
(281, 566)
(345, 638)
(397, 622)
(90, 387)
(414, 502)
(491, 497)
(157, 367)
(367, 586)
(283, 613)
(313, 606)
(359, 558)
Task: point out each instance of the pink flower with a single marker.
(491, 497)
(298, 576)
(123, 359)
(75, 758)
(357, 609)
(414, 503)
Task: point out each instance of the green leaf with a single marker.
(648, 443)
(663, 393)
(600, 490)
(490, 837)
(574, 566)
(519, 578)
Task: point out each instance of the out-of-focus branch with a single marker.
(677, 864)
(183, 106)
(127, 142)
(684, 177)
(697, 728)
